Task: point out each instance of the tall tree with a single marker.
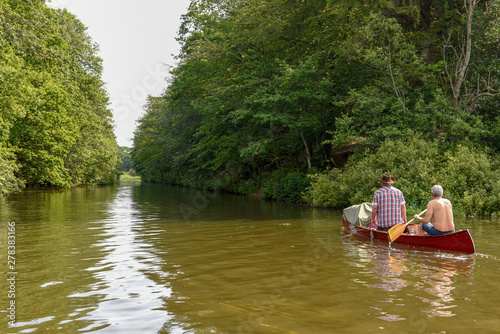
(459, 46)
(279, 85)
(54, 119)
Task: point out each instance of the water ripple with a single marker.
(126, 293)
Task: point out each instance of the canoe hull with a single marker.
(460, 241)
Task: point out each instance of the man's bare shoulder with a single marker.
(446, 201)
(439, 202)
(433, 203)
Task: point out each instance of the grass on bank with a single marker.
(128, 176)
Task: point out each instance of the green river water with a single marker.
(147, 259)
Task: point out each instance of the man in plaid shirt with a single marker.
(389, 206)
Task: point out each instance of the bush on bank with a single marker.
(280, 185)
(286, 187)
(469, 176)
(8, 181)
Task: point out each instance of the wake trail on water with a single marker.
(487, 256)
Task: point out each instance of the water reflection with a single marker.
(53, 249)
(388, 267)
(406, 274)
(125, 260)
(124, 289)
(439, 275)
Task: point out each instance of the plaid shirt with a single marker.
(389, 201)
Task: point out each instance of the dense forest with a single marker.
(56, 129)
(302, 100)
(292, 100)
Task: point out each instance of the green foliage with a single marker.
(407, 160)
(152, 153)
(247, 187)
(8, 167)
(285, 187)
(126, 158)
(54, 117)
(471, 176)
(468, 175)
(236, 99)
(129, 176)
(266, 87)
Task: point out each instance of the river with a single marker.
(147, 259)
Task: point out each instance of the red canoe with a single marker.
(460, 241)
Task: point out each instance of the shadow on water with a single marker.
(178, 204)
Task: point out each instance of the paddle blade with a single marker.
(396, 231)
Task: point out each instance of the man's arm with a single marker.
(374, 214)
(403, 213)
(428, 215)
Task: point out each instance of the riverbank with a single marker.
(469, 176)
(126, 176)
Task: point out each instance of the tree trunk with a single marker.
(308, 153)
(425, 24)
(463, 63)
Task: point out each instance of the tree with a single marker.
(126, 158)
(55, 123)
(457, 56)
(265, 88)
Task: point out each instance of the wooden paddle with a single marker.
(398, 229)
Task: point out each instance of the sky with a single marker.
(137, 43)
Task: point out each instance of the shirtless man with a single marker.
(441, 213)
